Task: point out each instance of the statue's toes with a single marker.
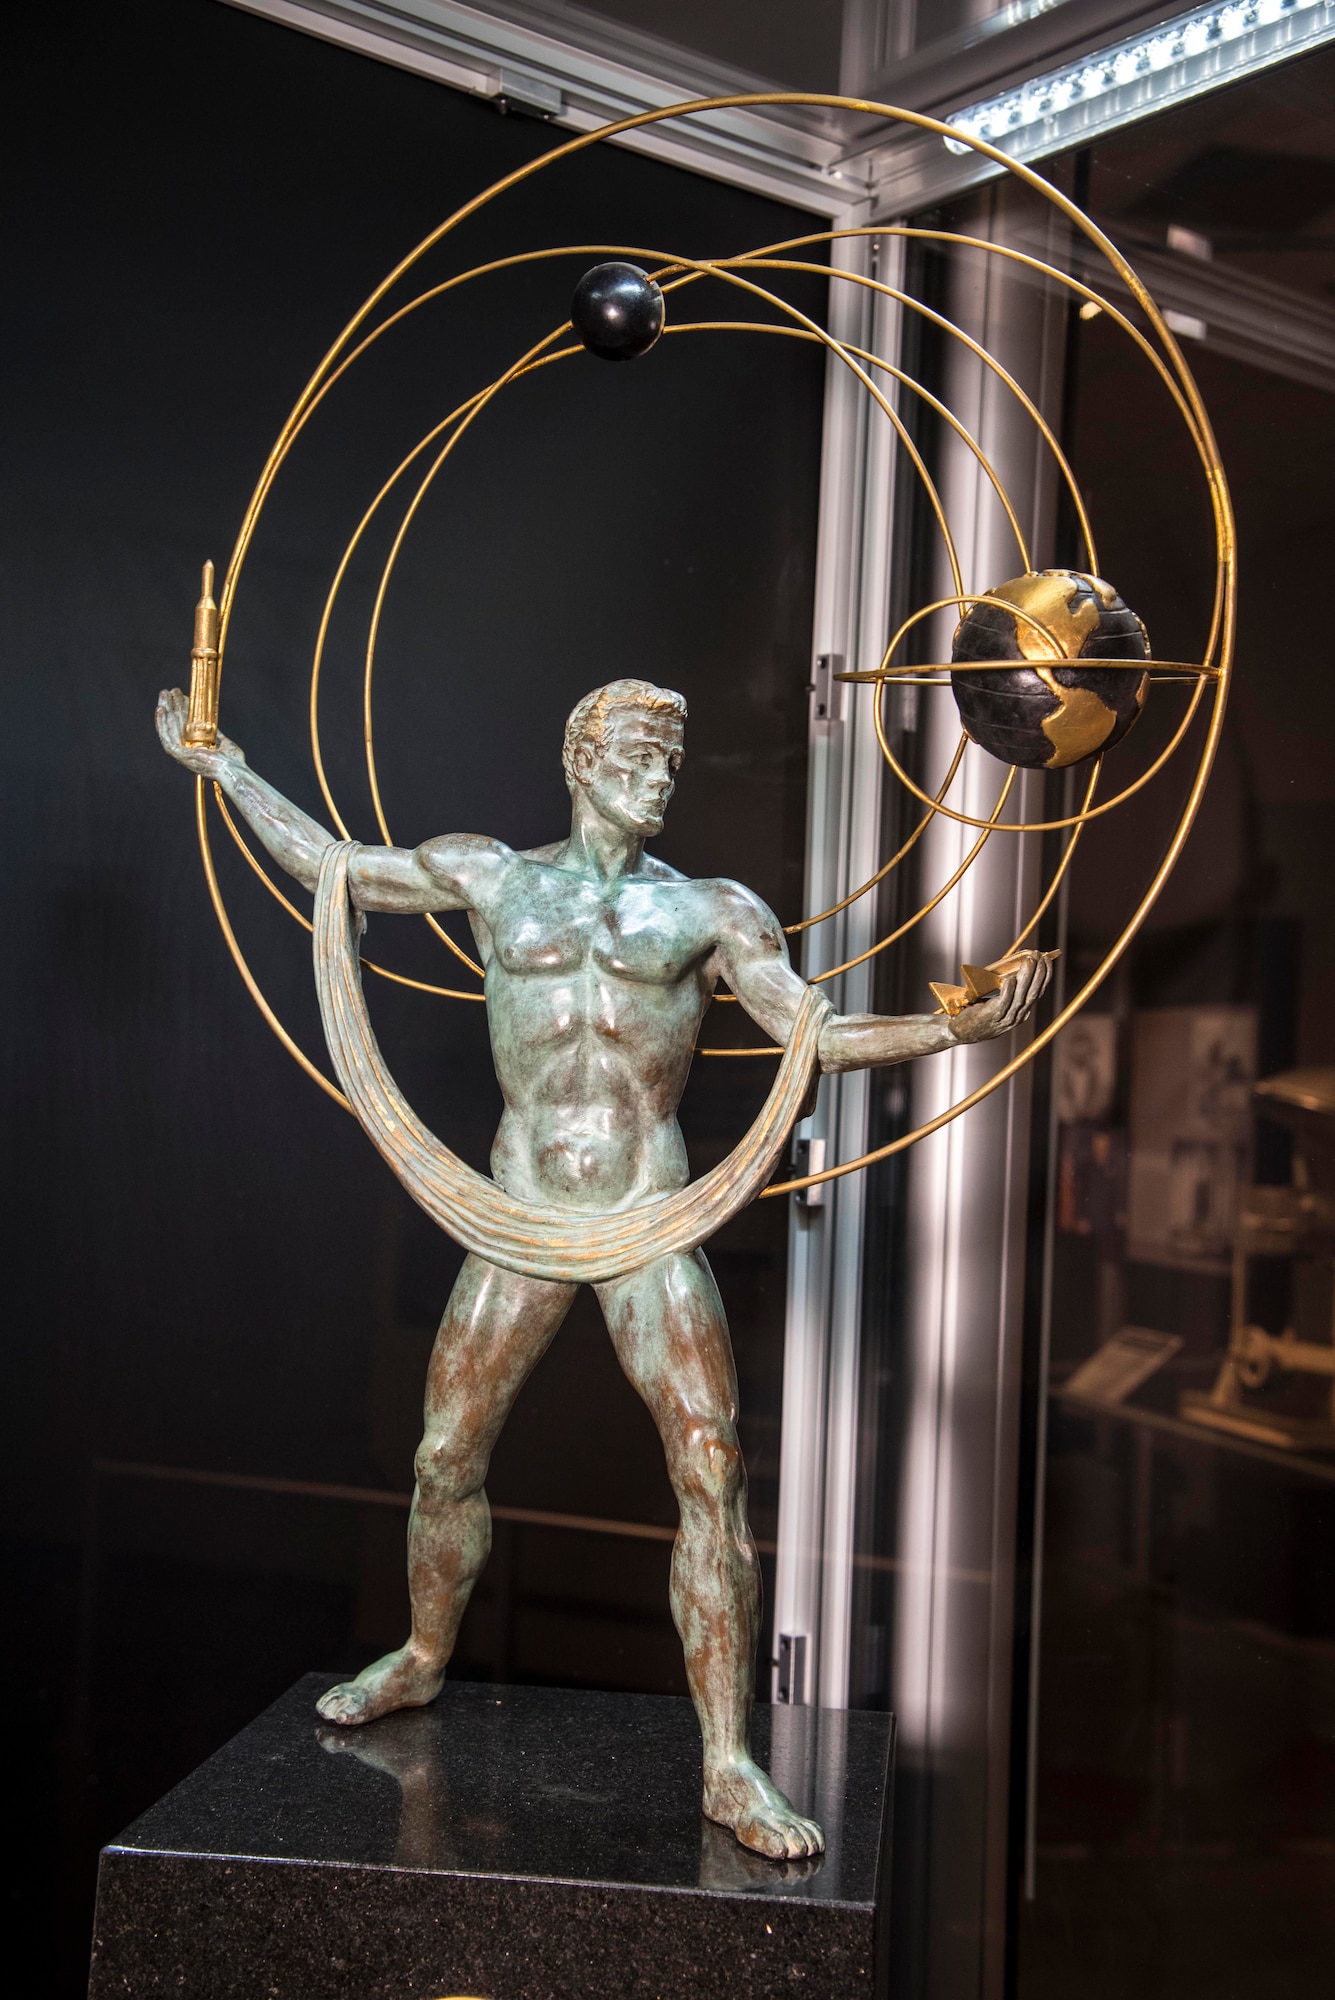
(764, 1836)
(342, 1704)
(781, 1836)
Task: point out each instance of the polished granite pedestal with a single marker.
(510, 1843)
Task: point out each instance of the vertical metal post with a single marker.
(813, 1596)
(968, 1203)
(1030, 1861)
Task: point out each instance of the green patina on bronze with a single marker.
(600, 962)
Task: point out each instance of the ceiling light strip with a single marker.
(1181, 58)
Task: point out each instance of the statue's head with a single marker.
(623, 749)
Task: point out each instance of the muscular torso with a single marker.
(600, 962)
(595, 990)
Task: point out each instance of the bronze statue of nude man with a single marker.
(600, 962)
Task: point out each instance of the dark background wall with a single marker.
(207, 1267)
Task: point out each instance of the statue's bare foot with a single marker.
(740, 1795)
(400, 1680)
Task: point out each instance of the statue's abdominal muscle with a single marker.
(592, 1068)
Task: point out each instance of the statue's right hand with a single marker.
(173, 708)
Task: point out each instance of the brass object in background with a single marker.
(201, 728)
(1297, 1222)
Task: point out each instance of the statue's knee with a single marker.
(445, 1472)
(709, 1466)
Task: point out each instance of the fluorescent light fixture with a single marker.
(1182, 57)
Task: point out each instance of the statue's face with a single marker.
(630, 780)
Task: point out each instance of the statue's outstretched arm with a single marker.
(437, 876)
(752, 955)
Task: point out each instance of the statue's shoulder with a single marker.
(651, 869)
(733, 895)
(726, 907)
(737, 910)
(449, 852)
(548, 856)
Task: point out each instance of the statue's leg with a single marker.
(671, 1338)
(496, 1327)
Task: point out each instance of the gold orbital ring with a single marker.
(806, 330)
(804, 323)
(758, 259)
(536, 357)
(719, 267)
(1204, 443)
(466, 411)
(1166, 358)
(463, 415)
(914, 675)
(937, 673)
(754, 259)
(1202, 674)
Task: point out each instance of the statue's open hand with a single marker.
(173, 708)
(1017, 997)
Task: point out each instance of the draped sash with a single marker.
(536, 1240)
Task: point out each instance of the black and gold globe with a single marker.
(1055, 706)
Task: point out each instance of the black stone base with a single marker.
(509, 1843)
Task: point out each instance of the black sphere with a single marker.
(1055, 706)
(617, 311)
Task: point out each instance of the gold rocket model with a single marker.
(201, 726)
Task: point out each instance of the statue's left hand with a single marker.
(1017, 997)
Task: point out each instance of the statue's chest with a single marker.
(641, 933)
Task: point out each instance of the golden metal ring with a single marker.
(938, 675)
(754, 258)
(819, 333)
(1171, 367)
(1014, 826)
(764, 259)
(465, 413)
(989, 827)
(807, 328)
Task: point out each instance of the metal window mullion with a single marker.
(797, 1607)
(861, 850)
(968, 1201)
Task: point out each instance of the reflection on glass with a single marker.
(1184, 1804)
(1173, 1405)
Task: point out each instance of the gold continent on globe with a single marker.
(1055, 706)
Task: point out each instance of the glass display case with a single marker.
(1161, 1709)
(1039, 1415)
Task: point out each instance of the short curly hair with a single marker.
(587, 721)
